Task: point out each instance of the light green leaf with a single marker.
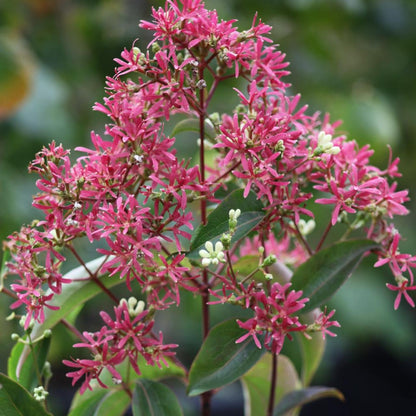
(256, 383)
(312, 351)
(87, 403)
(75, 293)
(192, 124)
(114, 403)
(32, 366)
(246, 265)
(3, 270)
(300, 397)
(326, 271)
(151, 398)
(217, 222)
(72, 296)
(220, 360)
(17, 401)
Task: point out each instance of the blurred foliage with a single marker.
(353, 58)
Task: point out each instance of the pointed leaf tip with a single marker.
(303, 396)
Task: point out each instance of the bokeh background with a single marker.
(353, 58)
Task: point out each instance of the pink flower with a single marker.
(323, 322)
(401, 289)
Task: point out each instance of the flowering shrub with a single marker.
(232, 227)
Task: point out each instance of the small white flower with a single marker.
(306, 227)
(211, 255)
(138, 158)
(134, 306)
(201, 84)
(70, 221)
(324, 139)
(77, 205)
(39, 393)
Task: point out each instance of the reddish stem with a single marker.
(9, 293)
(93, 276)
(328, 227)
(205, 397)
(273, 383)
(72, 328)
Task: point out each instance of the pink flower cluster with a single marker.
(127, 336)
(274, 317)
(134, 196)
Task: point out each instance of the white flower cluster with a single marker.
(325, 145)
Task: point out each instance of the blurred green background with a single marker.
(353, 58)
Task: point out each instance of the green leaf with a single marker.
(151, 398)
(81, 404)
(114, 403)
(217, 222)
(312, 352)
(33, 364)
(326, 271)
(256, 383)
(17, 401)
(72, 296)
(192, 124)
(87, 403)
(303, 396)
(246, 265)
(220, 360)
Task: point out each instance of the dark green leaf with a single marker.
(32, 366)
(256, 383)
(325, 272)
(17, 401)
(303, 396)
(217, 223)
(151, 398)
(192, 124)
(220, 360)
